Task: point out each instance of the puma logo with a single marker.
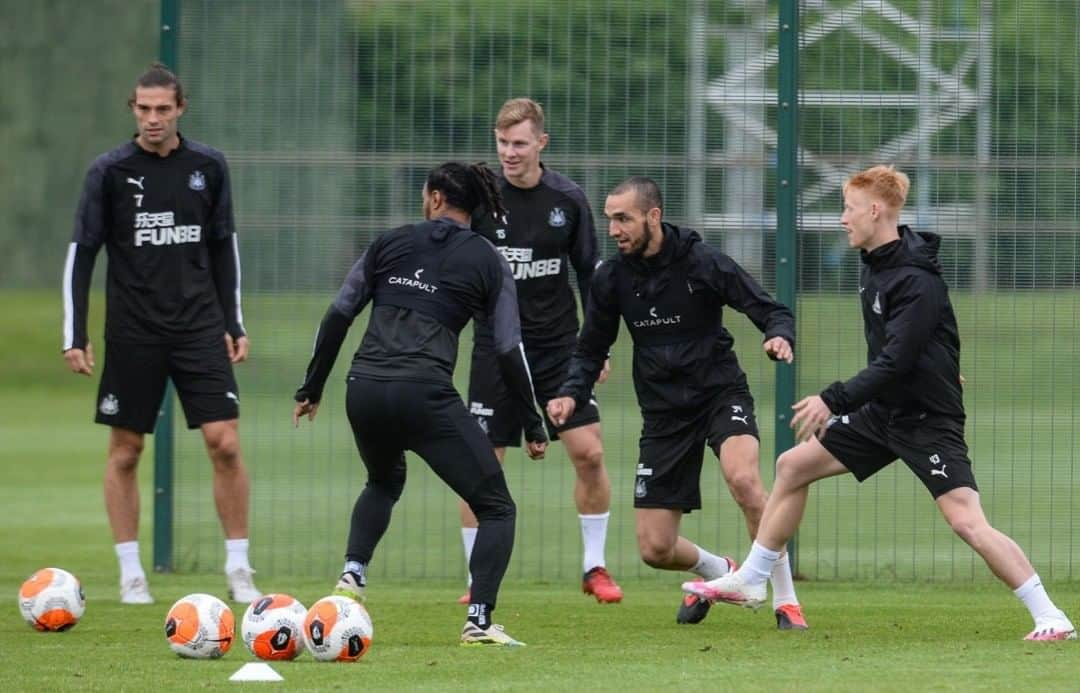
(741, 418)
(137, 182)
(939, 472)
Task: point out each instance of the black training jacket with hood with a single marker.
(913, 345)
(672, 304)
(426, 281)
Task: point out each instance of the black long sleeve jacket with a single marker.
(672, 304)
(426, 281)
(913, 343)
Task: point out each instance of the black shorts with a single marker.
(673, 448)
(133, 383)
(490, 402)
(390, 417)
(871, 439)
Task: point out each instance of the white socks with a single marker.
(593, 536)
(1034, 596)
(759, 564)
(710, 566)
(783, 584)
(468, 540)
(236, 555)
(127, 553)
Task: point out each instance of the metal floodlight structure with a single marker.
(943, 97)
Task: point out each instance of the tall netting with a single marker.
(970, 99)
(330, 113)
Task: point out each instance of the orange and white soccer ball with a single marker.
(200, 626)
(52, 599)
(338, 629)
(273, 627)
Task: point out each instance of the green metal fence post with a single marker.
(787, 163)
(163, 431)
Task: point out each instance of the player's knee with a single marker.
(224, 451)
(655, 552)
(655, 556)
(222, 444)
(967, 527)
(787, 468)
(746, 488)
(488, 509)
(124, 457)
(590, 463)
(390, 485)
(491, 500)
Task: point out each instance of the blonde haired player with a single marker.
(907, 403)
(548, 228)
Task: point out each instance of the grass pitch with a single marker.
(924, 633)
(863, 637)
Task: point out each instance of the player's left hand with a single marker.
(560, 409)
(237, 348)
(302, 408)
(779, 349)
(604, 372)
(811, 416)
(535, 451)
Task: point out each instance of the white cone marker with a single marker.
(253, 671)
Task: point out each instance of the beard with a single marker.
(637, 249)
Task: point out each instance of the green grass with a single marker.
(923, 614)
(863, 637)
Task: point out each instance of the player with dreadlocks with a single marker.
(425, 281)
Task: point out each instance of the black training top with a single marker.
(912, 339)
(672, 304)
(167, 226)
(545, 226)
(426, 281)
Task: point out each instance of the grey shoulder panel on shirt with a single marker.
(505, 320)
(356, 289)
(205, 150)
(115, 155)
(89, 229)
(558, 182)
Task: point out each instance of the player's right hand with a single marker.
(80, 361)
(779, 349)
(237, 349)
(536, 439)
(560, 409)
(301, 408)
(811, 418)
(604, 372)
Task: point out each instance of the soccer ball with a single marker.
(199, 626)
(273, 627)
(338, 629)
(52, 599)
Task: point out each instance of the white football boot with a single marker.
(135, 591)
(473, 635)
(730, 589)
(242, 586)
